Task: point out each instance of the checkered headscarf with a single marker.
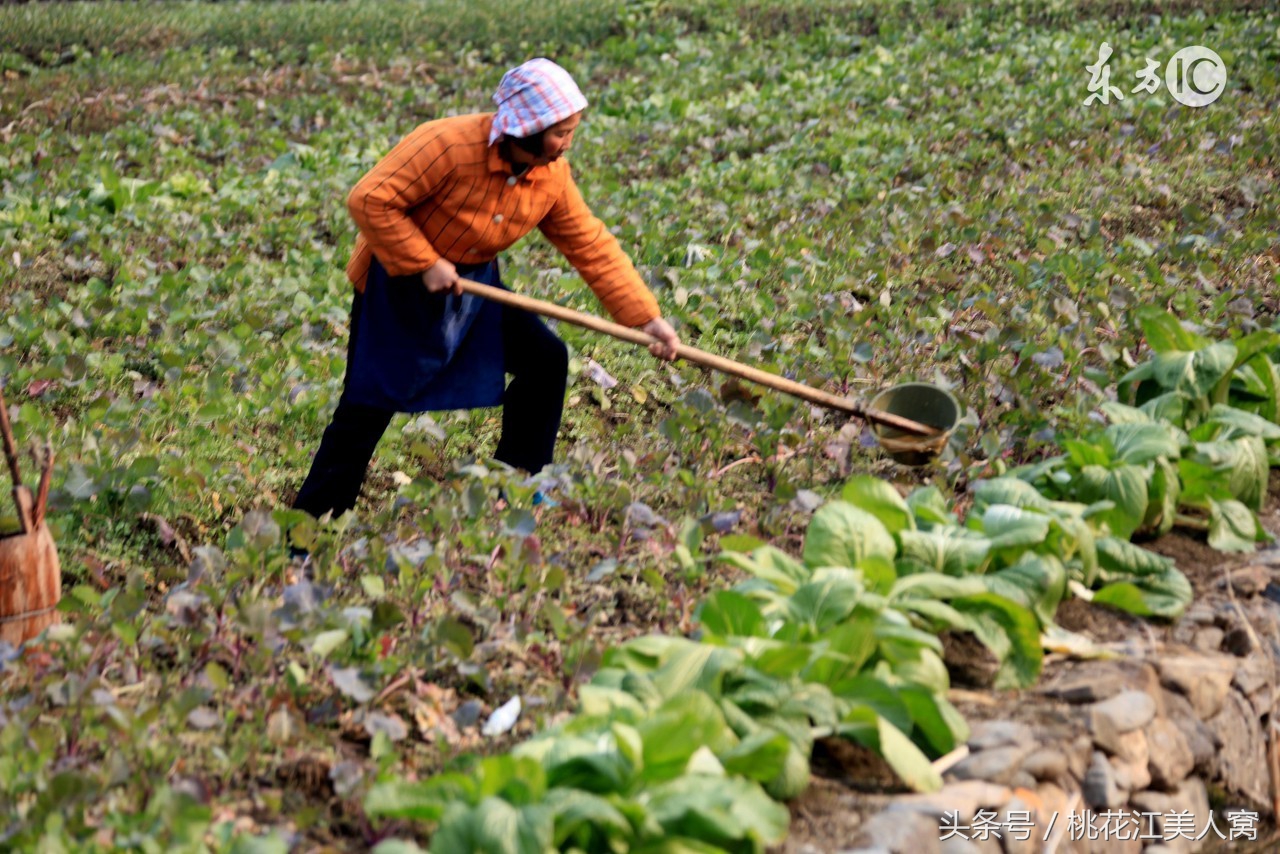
(532, 97)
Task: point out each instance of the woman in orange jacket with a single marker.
(442, 205)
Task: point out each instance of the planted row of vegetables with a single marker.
(688, 744)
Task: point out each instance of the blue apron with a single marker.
(414, 351)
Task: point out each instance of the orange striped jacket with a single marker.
(444, 192)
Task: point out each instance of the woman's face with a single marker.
(558, 138)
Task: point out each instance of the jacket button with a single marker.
(497, 217)
(511, 182)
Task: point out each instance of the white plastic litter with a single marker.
(503, 718)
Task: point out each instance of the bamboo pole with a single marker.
(11, 455)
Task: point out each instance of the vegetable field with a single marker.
(849, 194)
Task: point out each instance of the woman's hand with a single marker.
(668, 341)
(442, 276)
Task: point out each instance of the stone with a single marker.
(1152, 807)
(1240, 764)
(1248, 581)
(1054, 801)
(997, 765)
(1203, 743)
(964, 799)
(1100, 789)
(1204, 680)
(1131, 776)
(1079, 755)
(1101, 680)
(1253, 674)
(900, 832)
(1169, 756)
(1129, 747)
(1028, 810)
(1240, 642)
(1269, 556)
(986, 735)
(1120, 773)
(956, 845)
(1046, 764)
(1200, 613)
(1023, 780)
(1109, 840)
(1125, 712)
(1207, 640)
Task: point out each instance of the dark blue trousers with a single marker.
(532, 402)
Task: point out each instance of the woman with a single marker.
(441, 206)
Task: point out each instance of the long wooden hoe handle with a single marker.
(699, 357)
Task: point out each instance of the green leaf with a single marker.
(1034, 581)
(689, 665)
(720, 811)
(1195, 374)
(930, 508)
(729, 614)
(1010, 527)
(1143, 443)
(398, 846)
(1165, 333)
(954, 551)
(326, 642)
(1012, 632)
(374, 586)
(1088, 452)
(906, 760)
(935, 719)
(1170, 407)
(592, 764)
(1164, 594)
(584, 816)
(770, 564)
(793, 778)
(515, 779)
(1162, 498)
(1125, 486)
(600, 701)
(1008, 490)
(881, 500)
(825, 601)
(935, 585)
(1232, 526)
(1255, 344)
(1246, 423)
(679, 727)
(1244, 462)
(760, 756)
(840, 534)
(1138, 385)
(1259, 381)
(421, 801)
(878, 695)
(1118, 557)
(494, 827)
(740, 542)
(1122, 413)
(1140, 581)
(844, 650)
